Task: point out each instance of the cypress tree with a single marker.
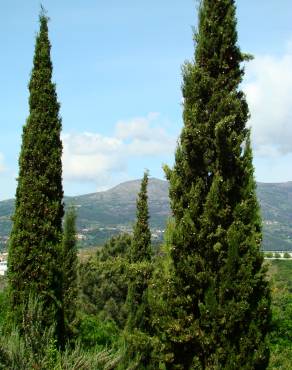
(141, 243)
(138, 325)
(69, 275)
(34, 249)
(218, 296)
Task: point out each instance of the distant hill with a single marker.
(106, 213)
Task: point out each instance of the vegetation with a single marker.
(202, 300)
(281, 334)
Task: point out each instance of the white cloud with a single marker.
(269, 95)
(94, 157)
(88, 156)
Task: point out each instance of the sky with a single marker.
(117, 68)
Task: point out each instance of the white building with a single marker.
(3, 267)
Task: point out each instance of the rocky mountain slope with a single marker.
(106, 213)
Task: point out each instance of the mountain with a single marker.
(110, 212)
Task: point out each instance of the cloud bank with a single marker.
(93, 157)
(269, 95)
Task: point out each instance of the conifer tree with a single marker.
(69, 275)
(141, 243)
(138, 326)
(34, 248)
(218, 296)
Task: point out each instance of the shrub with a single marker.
(95, 332)
(287, 255)
(269, 255)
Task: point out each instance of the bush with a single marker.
(94, 332)
(287, 255)
(277, 255)
(269, 255)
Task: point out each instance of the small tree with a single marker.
(141, 244)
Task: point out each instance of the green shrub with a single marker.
(287, 255)
(95, 332)
(269, 255)
(277, 255)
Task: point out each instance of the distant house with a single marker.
(3, 267)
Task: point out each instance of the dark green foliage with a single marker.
(281, 334)
(69, 276)
(104, 281)
(96, 332)
(286, 255)
(141, 245)
(140, 256)
(138, 329)
(34, 248)
(219, 299)
(117, 246)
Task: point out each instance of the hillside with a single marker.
(109, 212)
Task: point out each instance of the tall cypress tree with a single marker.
(37, 222)
(138, 323)
(69, 275)
(219, 298)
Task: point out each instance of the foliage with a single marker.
(217, 297)
(281, 334)
(104, 282)
(141, 244)
(15, 355)
(69, 276)
(286, 255)
(34, 249)
(269, 254)
(138, 328)
(97, 332)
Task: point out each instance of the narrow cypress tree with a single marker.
(69, 275)
(219, 298)
(34, 249)
(141, 244)
(138, 325)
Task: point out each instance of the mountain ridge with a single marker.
(106, 213)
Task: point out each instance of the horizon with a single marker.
(136, 180)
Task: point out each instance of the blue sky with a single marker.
(117, 66)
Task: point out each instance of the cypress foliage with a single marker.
(34, 249)
(218, 296)
(69, 275)
(138, 325)
(141, 244)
